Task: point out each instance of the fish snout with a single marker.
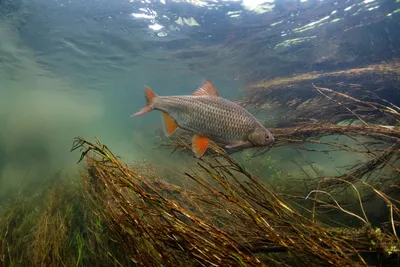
(261, 137)
(270, 139)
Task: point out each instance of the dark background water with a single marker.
(70, 68)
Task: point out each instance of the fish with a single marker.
(208, 117)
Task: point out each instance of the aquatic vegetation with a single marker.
(228, 218)
(352, 117)
(223, 215)
(54, 227)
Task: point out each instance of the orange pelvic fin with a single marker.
(206, 89)
(150, 95)
(199, 145)
(170, 125)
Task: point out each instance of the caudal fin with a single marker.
(150, 95)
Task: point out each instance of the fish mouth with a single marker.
(271, 140)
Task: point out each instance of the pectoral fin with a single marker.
(237, 144)
(199, 145)
(170, 125)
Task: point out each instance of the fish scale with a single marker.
(207, 114)
(208, 117)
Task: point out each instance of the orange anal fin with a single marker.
(199, 145)
(206, 89)
(170, 125)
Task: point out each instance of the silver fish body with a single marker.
(208, 117)
(217, 118)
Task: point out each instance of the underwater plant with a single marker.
(229, 219)
(55, 226)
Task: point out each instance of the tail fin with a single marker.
(150, 95)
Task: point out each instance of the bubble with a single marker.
(162, 34)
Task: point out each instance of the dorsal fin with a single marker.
(206, 89)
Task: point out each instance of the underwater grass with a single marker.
(357, 109)
(125, 215)
(54, 227)
(236, 222)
